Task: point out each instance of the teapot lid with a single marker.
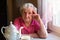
(12, 26)
(10, 22)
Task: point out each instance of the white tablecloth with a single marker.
(37, 39)
(51, 36)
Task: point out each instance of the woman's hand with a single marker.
(42, 32)
(36, 16)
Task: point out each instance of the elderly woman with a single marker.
(31, 22)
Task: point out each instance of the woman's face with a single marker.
(27, 14)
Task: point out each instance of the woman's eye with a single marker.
(33, 13)
(24, 12)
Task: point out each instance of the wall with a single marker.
(9, 10)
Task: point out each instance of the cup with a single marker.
(25, 37)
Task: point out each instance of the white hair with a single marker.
(28, 5)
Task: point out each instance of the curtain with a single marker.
(46, 11)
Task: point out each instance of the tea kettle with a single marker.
(11, 32)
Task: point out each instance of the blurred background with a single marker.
(49, 11)
(3, 16)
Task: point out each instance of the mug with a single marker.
(25, 37)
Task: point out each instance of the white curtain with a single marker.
(47, 10)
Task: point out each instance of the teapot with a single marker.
(11, 33)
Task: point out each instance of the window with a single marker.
(56, 13)
(50, 10)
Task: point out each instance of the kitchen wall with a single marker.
(9, 10)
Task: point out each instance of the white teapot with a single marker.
(11, 32)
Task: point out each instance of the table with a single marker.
(51, 36)
(37, 39)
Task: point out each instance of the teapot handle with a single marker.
(2, 30)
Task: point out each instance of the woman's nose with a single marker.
(27, 15)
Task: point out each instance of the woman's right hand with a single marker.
(36, 16)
